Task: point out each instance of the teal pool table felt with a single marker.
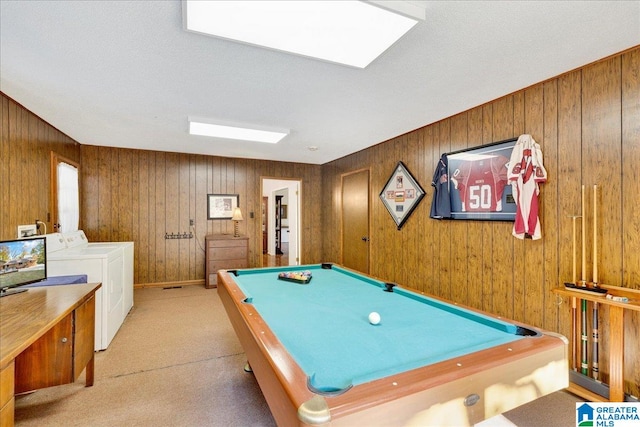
(325, 328)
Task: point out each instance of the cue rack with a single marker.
(587, 382)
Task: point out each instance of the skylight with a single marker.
(347, 32)
(244, 133)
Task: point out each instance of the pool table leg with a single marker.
(90, 371)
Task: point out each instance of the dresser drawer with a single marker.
(229, 264)
(214, 266)
(228, 253)
(7, 376)
(227, 243)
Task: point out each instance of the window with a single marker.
(65, 193)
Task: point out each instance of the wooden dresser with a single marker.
(223, 251)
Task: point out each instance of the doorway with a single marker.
(355, 220)
(281, 221)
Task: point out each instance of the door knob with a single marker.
(365, 239)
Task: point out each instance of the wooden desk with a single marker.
(47, 337)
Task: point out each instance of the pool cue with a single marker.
(595, 235)
(574, 315)
(585, 362)
(573, 249)
(583, 304)
(594, 356)
(583, 281)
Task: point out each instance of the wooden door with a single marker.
(355, 220)
(84, 339)
(48, 361)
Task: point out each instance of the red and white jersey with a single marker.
(526, 171)
(481, 182)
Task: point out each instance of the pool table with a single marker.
(319, 361)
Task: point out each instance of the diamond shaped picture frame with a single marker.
(401, 194)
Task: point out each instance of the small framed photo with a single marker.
(221, 206)
(401, 194)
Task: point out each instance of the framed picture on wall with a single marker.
(478, 186)
(221, 206)
(401, 194)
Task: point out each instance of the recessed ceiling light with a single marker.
(347, 32)
(240, 132)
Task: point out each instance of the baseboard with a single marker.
(169, 284)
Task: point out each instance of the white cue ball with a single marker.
(374, 318)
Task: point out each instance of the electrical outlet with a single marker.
(27, 231)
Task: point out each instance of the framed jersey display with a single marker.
(401, 194)
(478, 184)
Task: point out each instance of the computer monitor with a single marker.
(22, 261)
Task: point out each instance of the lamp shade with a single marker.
(237, 215)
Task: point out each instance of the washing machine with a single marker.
(78, 239)
(110, 263)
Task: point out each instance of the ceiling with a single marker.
(126, 73)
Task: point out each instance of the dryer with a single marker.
(110, 263)
(127, 263)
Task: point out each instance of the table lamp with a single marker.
(237, 216)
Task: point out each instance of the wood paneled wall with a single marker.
(588, 125)
(134, 195)
(26, 143)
